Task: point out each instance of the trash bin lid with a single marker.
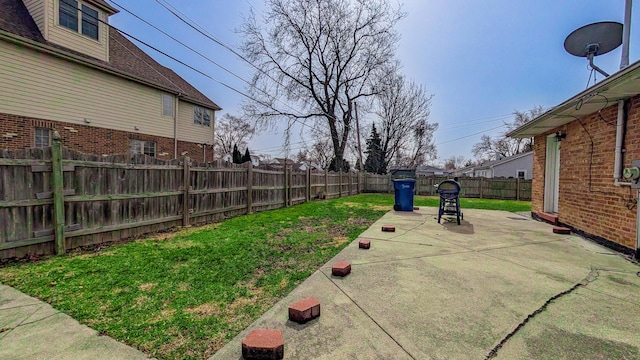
(404, 180)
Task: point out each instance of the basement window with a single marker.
(43, 137)
(143, 147)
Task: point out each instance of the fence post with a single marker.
(308, 183)
(340, 181)
(518, 188)
(364, 182)
(481, 180)
(58, 193)
(350, 180)
(326, 182)
(389, 185)
(186, 186)
(286, 185)
(290, 185)
(250, 188)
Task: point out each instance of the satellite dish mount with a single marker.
(594, 39)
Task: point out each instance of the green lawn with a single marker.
(185, 294)
(485, 204)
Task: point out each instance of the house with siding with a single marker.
(62, 68)
(581, 148)
(516, 166)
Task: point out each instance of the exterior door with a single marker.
(552, 176)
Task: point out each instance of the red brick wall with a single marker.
(90, 139)
(599, 208)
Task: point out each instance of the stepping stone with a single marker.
(388, 228)
(364, 244)
(341, 268)
(264, 344)
(561, 230)
(304, 310)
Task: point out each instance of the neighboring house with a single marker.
(427, 170)
(465, 171)
(61, 69)
(516, 166)
(581, 147)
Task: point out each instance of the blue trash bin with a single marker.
(403, 194)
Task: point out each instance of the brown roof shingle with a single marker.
(125, 58)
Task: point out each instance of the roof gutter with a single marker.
(38, 46)
(583, 96)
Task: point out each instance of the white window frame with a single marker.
(198, 116)
(143, 147)
(79, 19)
(36, 136)
(167, 104)
(521, 170)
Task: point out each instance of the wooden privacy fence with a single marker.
(55, 199)
(472, 187)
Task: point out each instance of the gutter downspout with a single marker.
(617, 165)
(624, 62)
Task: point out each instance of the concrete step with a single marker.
(550, 218)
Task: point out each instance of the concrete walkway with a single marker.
(31, 329)
(498, 286)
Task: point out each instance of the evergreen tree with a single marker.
(246, 157)
(375, 159)
(236, 156)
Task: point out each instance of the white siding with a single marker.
(188, 131)
(510, 168)
(42, 86)
(36, 9)
(75, 40)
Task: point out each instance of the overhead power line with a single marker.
(470, 135)
(183, 63)
(213, 62)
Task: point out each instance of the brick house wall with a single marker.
(17, 132)
(596, 207)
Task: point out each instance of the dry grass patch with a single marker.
(337, 241)
(147, 286)
(205, 310)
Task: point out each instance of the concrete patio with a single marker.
(499, 285)
(31, 329)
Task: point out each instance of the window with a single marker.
(201, 116)
(89, 22)
(68, 16)
(143, 147)
(521, 174)
(167, 105)
(43, 137)
(69, 12)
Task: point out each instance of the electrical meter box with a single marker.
(632, 174)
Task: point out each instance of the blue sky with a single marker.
(482, 59)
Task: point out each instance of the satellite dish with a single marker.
(593, 40)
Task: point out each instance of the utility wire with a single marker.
(208, 59)
(470, 135)
(190, 66)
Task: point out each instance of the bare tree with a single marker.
(316, 57)
(403, 111)
(454, 162)
(504, 146)
(230, 131)
(319, 153)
